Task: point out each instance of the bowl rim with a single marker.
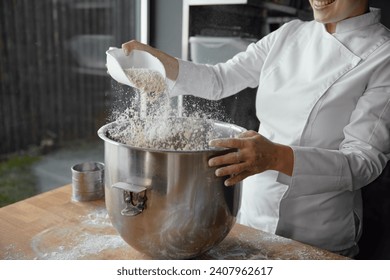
(103, 130)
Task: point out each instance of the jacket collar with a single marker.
(351, 24)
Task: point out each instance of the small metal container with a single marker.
(88, 181)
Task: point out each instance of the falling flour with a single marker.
(150, 122)
(149, 81)
(171, 134)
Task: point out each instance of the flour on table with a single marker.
(98, 218)
(12, 252)
(92, 236)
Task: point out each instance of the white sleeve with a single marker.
(224, 79)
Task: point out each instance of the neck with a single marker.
(331, 27)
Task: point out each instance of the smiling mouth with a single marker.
(321, 4)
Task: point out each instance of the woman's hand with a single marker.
(255, 154)
(170, 63)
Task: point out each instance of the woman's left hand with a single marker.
(255, 154)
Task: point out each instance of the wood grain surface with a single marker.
(52, 226)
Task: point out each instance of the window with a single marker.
(54, 88)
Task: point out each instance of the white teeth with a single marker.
(322, 3)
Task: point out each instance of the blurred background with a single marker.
(55, 92)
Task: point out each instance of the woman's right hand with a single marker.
(171, 64)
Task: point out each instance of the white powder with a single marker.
(170, 134)
(97, 218)
(93, 236)
(73, 245)
(150, 122)
(12, 252)
(146, 80)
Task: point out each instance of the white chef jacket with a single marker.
(328, 97)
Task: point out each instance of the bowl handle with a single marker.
(134, 196)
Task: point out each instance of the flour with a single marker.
(12, 252)
(73, 245)
(178, 134)
(97, 218)
(149, 121)
(146, 80)
(94, 235)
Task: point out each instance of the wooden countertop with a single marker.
(51, 226)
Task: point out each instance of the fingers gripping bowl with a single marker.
(167, 203)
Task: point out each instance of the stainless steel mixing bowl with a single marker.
(168, 204)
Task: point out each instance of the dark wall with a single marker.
(384, 5)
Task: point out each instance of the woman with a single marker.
(323, 102)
